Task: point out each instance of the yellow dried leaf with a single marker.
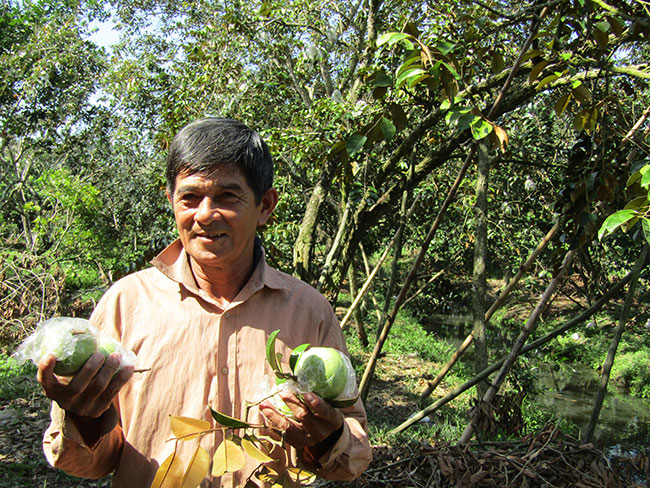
(197, 469)
(228, 458)
(267, 475)
(254, 451)
(170, 472)
(502, 135)
(186, 428)
(301, 476)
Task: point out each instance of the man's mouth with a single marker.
(216, 235)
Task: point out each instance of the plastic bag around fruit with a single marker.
(327, 372)
(72, 341)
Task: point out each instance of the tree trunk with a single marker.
(364, 386)
(358, 314)
(488, 315)
(531, 323)
(304, 245)
(479, 280)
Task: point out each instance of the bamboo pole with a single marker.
(613, 291)
(493, 308)
(526, 330)
(611, 353)
(368, 373)
(372, 275)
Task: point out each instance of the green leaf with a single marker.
(645, 225)
(355, 144)
(537, 69)
(336, 148)
(498, 63)
(614, 221)
(547, 80)
(391, 38)
(295, 354)
(562, 103)
(451, 70)
(387, 128)
(228, 421)
(645, 179)
(270, 351)
(445, 47)
(480, 128)
(382, 79)
(409, 73)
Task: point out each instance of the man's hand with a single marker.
(315, 427)
(91, 391)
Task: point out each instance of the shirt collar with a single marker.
(174, 263)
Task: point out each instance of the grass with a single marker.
(24, 416)
(411, 357)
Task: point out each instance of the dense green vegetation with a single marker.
(378, 113)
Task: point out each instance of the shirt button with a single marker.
(224, 370)
(226, 315)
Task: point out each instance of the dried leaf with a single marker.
(228, 458)
(251, 447)
(186, 428)
(170, 472)
(197, 469)
(301, 476)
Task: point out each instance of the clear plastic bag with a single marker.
(72, 341)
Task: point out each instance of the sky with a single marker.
(105, 34)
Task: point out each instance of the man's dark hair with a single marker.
(206, 144)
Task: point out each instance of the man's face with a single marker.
(217, 217)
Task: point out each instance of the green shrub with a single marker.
(632, 369)
(16, 381)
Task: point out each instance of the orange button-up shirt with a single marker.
(200, 355)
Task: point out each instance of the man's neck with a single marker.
(221, 284)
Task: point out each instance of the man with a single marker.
(199, 319)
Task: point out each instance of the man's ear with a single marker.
(169, 196)
(268, 203)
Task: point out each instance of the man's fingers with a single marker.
(45, 374)
(117, 382)
(274, 418)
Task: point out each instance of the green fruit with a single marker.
(108, 345)
(72, 346)
(324, 370)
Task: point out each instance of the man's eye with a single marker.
(188, 197)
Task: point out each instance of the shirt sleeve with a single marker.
(65, 449)
(63, 444)
(351, 454)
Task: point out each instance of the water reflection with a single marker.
(570, 393)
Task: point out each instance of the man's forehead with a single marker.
(228, 176)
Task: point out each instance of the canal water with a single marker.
(569, 393)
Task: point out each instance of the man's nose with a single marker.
(207, 211)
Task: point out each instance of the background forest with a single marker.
(434, 159)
